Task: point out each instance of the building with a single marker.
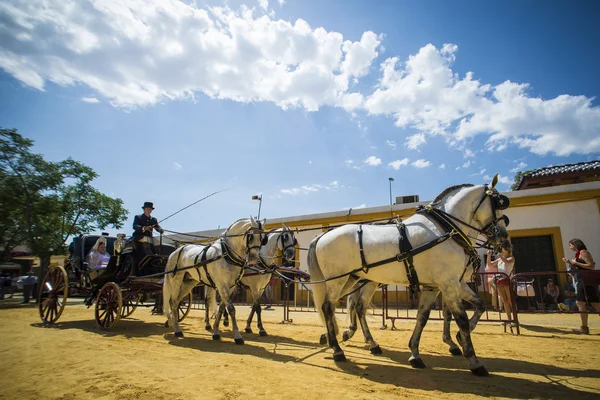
(560, 175)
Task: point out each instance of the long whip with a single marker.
(194, 203)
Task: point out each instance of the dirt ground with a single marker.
(140, 359)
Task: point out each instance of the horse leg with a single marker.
(237, 336)
(446, 337)
(216, 335)
(347, 288)
(353, 301)
(425, 305)
(209, 301)
(464, 335)
(328, 309)
(360, 305)
(261, 329)
(468, 295)
(250, 317)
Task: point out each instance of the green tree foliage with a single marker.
(43, 203)
(518, 177)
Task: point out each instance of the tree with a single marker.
(48, 201)
(518, 177)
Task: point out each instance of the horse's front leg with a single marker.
(464, 335)
(425, 304)
(216, 335)
(469, 296)
(237, 336)
(261, 329)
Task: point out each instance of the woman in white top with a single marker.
(98, 258)
(504, 263)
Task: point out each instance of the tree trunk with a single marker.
(44, 265)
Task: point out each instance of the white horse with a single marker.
(442, 253)
(219, 264)
(278, 249)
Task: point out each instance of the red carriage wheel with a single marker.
(130, 303)
(53, 294)
(109, 304)
(184, 307)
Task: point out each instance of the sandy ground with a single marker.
(140, 359)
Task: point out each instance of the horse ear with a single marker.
(285, 228)
(252, 221)
(494, 181)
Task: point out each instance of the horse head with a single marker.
(287, 244)
(489, 214)
(254, 241)
(244, 238)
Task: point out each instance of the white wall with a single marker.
(576, 219)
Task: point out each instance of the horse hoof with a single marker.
(263, 333)
(480, 371)
(323, 339)
(416, 363)
(216, 337)
(346, 336)
(226, 322)
(376, 350)
(339, 357)
(166, 324)
(456, 351)
(179, 335)
(248, 330)
(239, 341)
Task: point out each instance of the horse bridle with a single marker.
(498, 202)
(250, 236)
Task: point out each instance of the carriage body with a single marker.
(133, 275)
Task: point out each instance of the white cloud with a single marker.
(363, 205)
(391, 143)
(176, 165)
(138, 53)
(421, 163)
(481, 172)
(442, 166)
(398, 163)
(141, 52)
(281, 2)
(413, 142)
(310, 162)
(90, 100)
(311, 188)
(424, 93)
(467, 164)
(468, 153)
(519, 167)
(373, 161)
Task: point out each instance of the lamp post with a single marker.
(259, 198)
(391, 180)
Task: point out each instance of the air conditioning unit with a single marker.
(407, 199)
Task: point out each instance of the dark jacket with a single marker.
(139, 222)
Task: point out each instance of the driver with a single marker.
(143, 225)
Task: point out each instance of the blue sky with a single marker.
(313, 104)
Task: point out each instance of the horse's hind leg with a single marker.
(468, 295)
(364, 299)
(446, 337)
(353, 301)
(328, 309)
(425, 304)
(464, 335)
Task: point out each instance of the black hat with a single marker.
(148, 204)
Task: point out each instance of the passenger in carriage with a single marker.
(143, 225)
(585, 294)
(98, 258)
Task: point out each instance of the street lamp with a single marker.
(391, 180)
(259, 198)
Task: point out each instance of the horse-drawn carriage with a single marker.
(133, 275)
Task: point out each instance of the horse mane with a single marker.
(224, 234)
(448, 190)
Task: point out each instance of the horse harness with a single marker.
(407, 252)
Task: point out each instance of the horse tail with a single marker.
(319, 290)
(169, 281)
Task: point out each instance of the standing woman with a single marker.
(583, 261)
(504, 263)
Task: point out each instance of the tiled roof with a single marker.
(562, 169)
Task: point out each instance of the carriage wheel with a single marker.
(53, 294)
(184, 307)
(109, 304)
(129, 305)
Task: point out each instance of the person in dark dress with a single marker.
(585, 294)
